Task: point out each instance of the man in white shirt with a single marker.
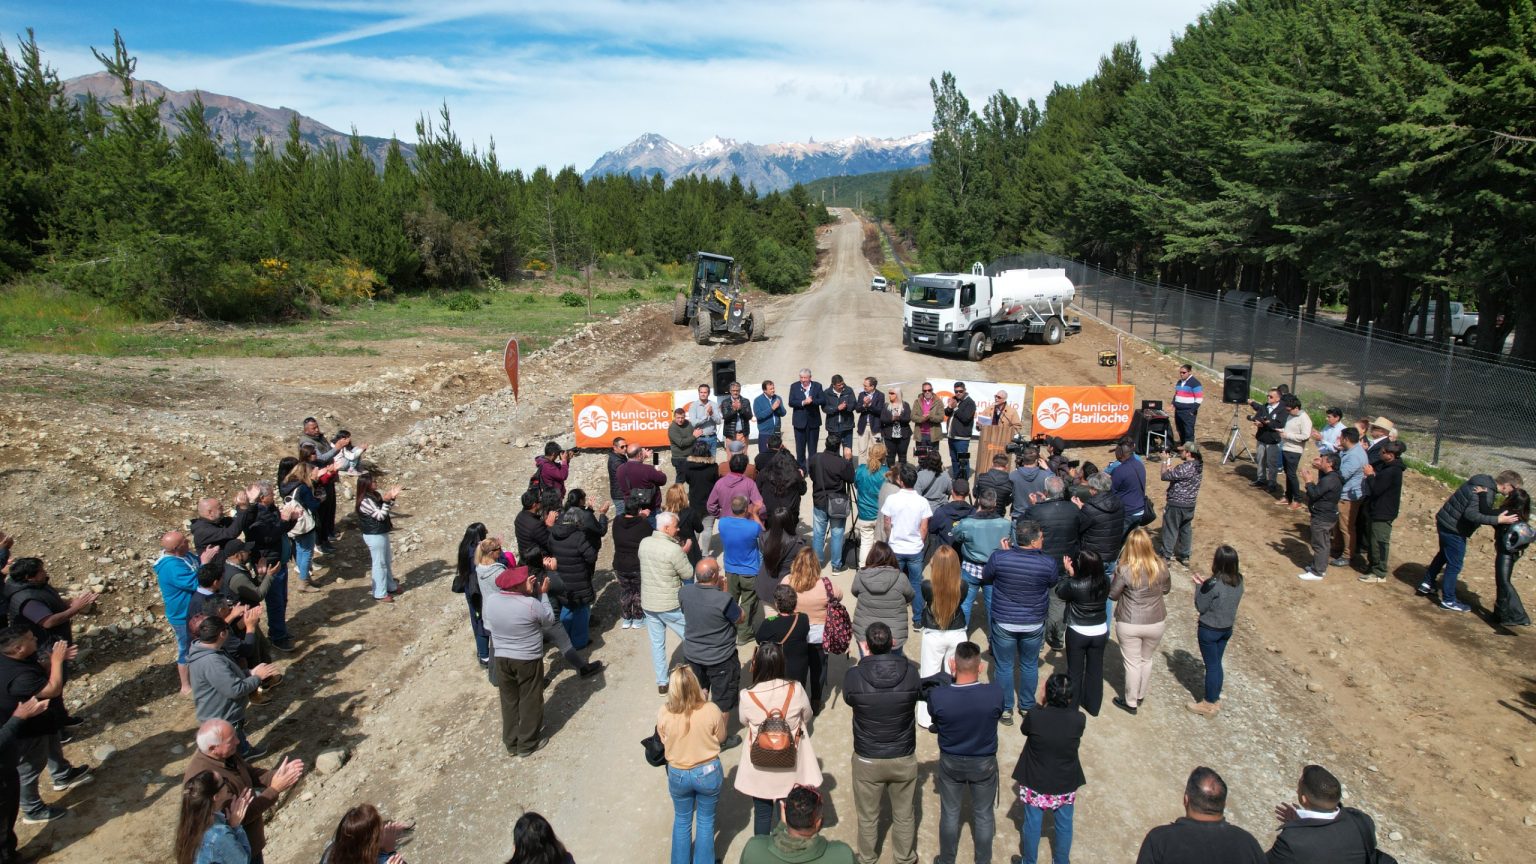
(905, 515)
(1327, 438)
(705, 419)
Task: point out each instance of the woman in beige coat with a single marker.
(771, 692)
(1141, 580)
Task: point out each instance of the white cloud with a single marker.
(757, 72)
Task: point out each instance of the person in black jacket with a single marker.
(946, 515)
(961, 413)
(883, 690)
(838, 403)
(735, 415)
(1316, 828)
(1468, 508)
(780, 481)
(1085, 592)
(628, 530)
(1061, 527)
(212, 528)
(868, 405)
(1202, 835)
(831, 475)
(617, 456)
(465, 582)
(1508, 545)
(574, 540)
(1323, 489)
(266, 533)
(18, 712)
(805, 404)
(1268, 419)
(1383, 494)
(531, 529)
(998, 481)
(1049, 772)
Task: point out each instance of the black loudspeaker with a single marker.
(1234, 385)
(723, 372)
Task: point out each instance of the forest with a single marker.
(1378, 155)
(99, 199)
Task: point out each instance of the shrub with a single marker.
(463, 301)
(572, 299)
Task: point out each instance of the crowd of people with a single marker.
(1038, 551)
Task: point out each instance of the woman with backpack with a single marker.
(775, 714)
(297, 484)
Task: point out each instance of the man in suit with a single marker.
(805, 402)
(868, 405)
(1316, 828)
(839, 402)
(1268, 420)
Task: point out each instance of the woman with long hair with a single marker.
(575, 540)
(782, 485)
(689, 521)
(1216, 599)
(943, 619)
(298, 485)
(1049, 772)
(534, 842)
(1509, 543)
(884, 593)
(779, 544)
(209, 830)
(628, 530)
(691, 730)
(373, 518)
(896, 427)
(772, 690)
(811, 595)
(464, 582)
(1085, 590)
(867, 481)
(363, 837)
(1141, 580)
(785, 626)
(933, 482)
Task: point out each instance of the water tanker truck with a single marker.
(973, 313)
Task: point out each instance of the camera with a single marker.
(1017, 444)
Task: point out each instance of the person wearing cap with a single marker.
(960, 411)
(1382, 496)
(1381, 431)
(519, 618)
(1179, 511)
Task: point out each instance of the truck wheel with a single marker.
(679, 309)
(757, 325)
(978, 347)
(1053, 331)
(701, 328)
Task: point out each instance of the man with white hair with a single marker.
(805, 398)
(176, 571)
(664, 568)
(217, 743)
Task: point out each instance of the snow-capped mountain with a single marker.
(769, 166)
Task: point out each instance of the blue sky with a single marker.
(559, 82)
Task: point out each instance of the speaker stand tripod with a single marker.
(1237, 442)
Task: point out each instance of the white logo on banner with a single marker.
(1053, 413)
(592, 421)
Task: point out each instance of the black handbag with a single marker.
(1148, 516)
(655, 751)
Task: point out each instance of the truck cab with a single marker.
(971, 313)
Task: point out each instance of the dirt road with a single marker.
(1425, 715)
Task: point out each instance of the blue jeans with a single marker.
(618, 508)
(695, 792)
(1022, 649)
(303, 548)
(657, 624)
(712, 441)
(1213, 644)
(1134, 519)
(574, 618)
(383, 564)
(477, 626)
(1029, 836)
(819, 525)
(912, 565)
(968, 602)
(959, 468)
(1450, 556)
(183, 641)
(277, 605)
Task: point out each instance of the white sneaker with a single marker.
(1309, 576)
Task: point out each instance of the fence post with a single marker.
(1157, 308)
(1296, 353)
(1216, 331)
(1183, 315)
(1445, 392)
(1365, 362)
(1253, 339)
(1130, 313)
(1111, 308)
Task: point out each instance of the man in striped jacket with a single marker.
(1188, 393)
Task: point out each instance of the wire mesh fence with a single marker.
(1453, 410)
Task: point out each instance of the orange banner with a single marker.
(639, 418)
(1084, 413)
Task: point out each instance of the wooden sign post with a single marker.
(509, 361)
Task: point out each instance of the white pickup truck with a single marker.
(1462, 323)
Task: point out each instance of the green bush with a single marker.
(463, 301)
(572, 299)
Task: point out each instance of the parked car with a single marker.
(1461, 325)
(877, 284)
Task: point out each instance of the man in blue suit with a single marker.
(805, 402)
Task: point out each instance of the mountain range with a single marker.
(231, 119)
(767, 166)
